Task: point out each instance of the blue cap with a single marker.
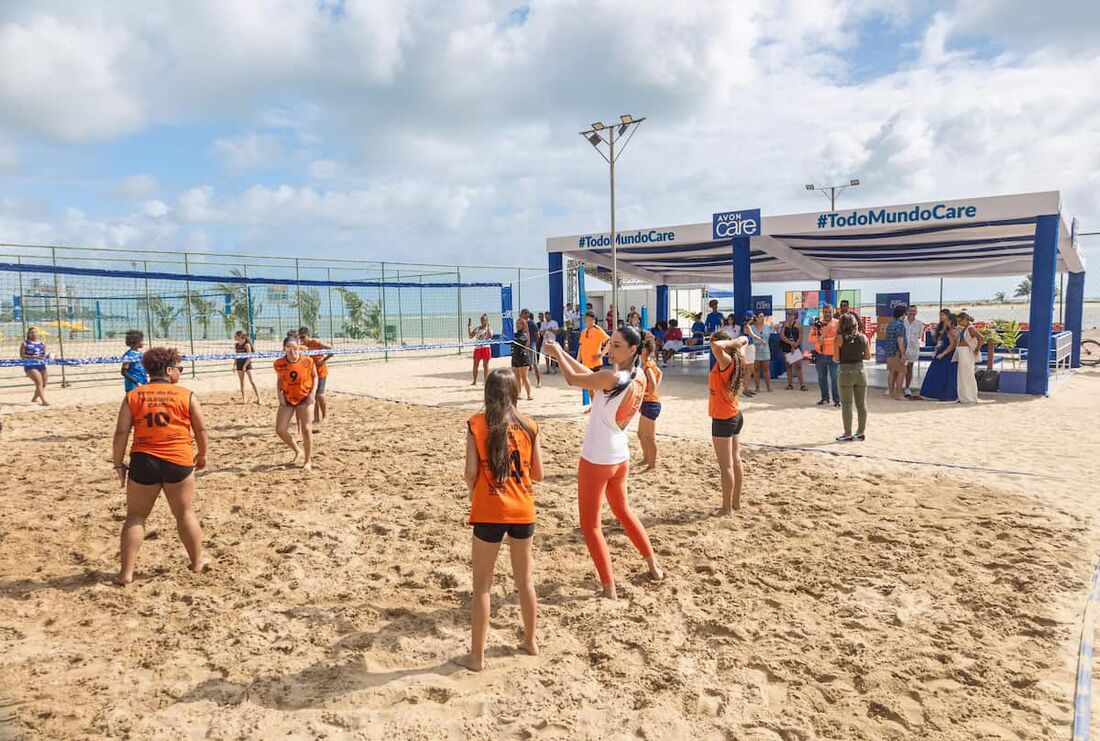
(750, 314)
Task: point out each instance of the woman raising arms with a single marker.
(605, 455)
(726, 380)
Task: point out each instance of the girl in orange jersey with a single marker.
(651, 403)
(726, 379)
(605, 456)
(297, 377)
(502, 459)
(162, 416)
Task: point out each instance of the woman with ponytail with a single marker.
(502, 459)
(726, 380)
(605, 456)
(651, 403)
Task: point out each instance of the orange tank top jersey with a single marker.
(652, 382)
(295, 379)
(322, 369)
(513, 500)
(162, 422)
(721, 404)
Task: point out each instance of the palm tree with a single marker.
(362, 318)
(1000, 297)
(165, 313)
(1023, 289)
(244, 305)
(308, 304)
(203, 309)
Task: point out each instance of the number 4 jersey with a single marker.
(511, 501)
(162, 422)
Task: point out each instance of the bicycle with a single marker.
(1090, 352)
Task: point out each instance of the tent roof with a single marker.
(972, 237)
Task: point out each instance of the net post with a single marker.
(421, 277)
(190, 321)
(385, 341)
(57, 310)
(400, 319)
(328, 291)
(298, 293)
(148, 301)
(458, 279)
(22, 299)
(248, 298)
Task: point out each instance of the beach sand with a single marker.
(852, 598)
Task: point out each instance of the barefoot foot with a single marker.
(531, 647)
(470, 663)
(607, 591)
(201, 567)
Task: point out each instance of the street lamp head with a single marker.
(598, 126)
(853, 181)
(626, 118)
(809, 186)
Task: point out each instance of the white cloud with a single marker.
(250, 151)
(154, 208)
(323, 169)
(139, 187)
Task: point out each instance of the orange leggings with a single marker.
(592, 481)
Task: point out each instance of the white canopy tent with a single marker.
(986, 237)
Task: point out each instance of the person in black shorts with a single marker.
(521, 353)
(162, 417)
(242, 344)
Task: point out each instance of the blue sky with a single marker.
(446, 132)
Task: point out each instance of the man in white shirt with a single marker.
(549, 329)
(914, 338)
(571, 317)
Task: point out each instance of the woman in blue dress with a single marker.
(34, 350)
(941, 382)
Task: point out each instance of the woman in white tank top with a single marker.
(617, 395)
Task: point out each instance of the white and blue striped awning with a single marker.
(998, 239)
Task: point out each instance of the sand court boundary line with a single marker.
(1082, 700)
(792, 448)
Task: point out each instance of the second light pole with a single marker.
(615, 148)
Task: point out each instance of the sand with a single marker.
(851, 598)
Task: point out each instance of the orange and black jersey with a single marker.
(295, 379)
(162, 422)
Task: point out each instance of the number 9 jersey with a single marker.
(162, 422)
(511, 501)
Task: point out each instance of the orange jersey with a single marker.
(322, 368)
(652, 381)
(295, 379)
(162, 422)
(721, 404)
(592, 339)
(513, 500)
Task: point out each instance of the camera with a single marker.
(818, 324)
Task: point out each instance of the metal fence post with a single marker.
(328, 290)
(400, 314)
(458, 279)
(22, 300)
(519, 289)
(421, 309)
(190, 320)
(57, 307)
(941, 294)
(298, 295)
(148, 301)
(248, 298)
(385, 341)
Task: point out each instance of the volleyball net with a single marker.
(82, 310)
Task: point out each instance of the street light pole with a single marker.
(615, 148)
(832, 190)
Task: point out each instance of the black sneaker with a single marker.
(836, 404)
(823, 402)
(859, 436)
(844, 438)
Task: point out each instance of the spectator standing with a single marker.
(823, 338)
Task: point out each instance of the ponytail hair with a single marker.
(737, 360)
(633, 339)
(501, 397)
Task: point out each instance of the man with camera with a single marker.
(823, 338)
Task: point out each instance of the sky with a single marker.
(447, 131)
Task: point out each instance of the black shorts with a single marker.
(650, 409)
(148, 470)
(727, 427)
(243, 364)
(519, 359)
(493, 532)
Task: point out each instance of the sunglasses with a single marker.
(177, 367)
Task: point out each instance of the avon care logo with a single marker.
(743, 223)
